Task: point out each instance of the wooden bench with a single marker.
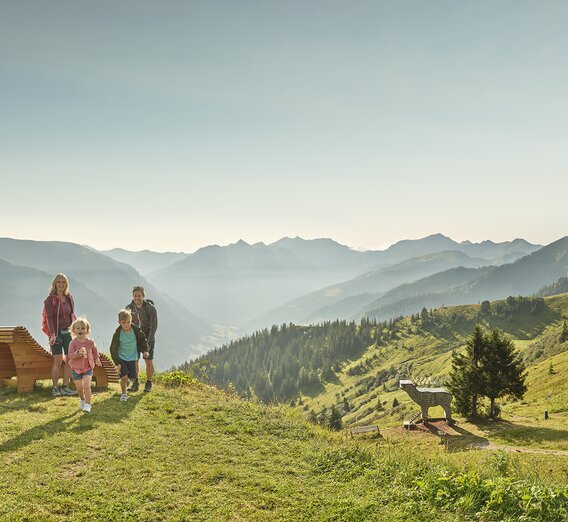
(363, 429)
(23, 358)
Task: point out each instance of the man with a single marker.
(145, 317)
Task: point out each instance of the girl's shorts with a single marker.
(78, 376)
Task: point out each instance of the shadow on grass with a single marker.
(313, 390)
(464, 440)
(10, 400)
(109, 410)
(519, 433)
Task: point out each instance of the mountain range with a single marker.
(240, 283)
(220, 292)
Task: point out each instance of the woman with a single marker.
(60, 313)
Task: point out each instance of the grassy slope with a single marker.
(423, 356)
(194, 453)
(197, 454)
(182, 454)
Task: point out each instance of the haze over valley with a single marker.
(218, 293)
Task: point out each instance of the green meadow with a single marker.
(187, 451)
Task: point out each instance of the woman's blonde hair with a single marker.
(53, 289)
(84, 322)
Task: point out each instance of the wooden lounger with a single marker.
(22, 357)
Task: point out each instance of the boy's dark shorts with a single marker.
(128, 368)
(61, 344)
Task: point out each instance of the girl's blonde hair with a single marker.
(84, 322)
(53, 289)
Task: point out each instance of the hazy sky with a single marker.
(172, 125)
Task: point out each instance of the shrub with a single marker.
(174, 379)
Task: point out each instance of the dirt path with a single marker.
(457, 439)
(512, 449)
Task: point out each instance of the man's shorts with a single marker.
(61, 344)
(151, 345)
(128, 368)
(78, 376)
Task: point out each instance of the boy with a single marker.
(127, 342)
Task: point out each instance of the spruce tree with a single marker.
(502, 370)
(335, 422)
(564, 334)
(424, 317)
(489, 367)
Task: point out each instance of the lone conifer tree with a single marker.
(489, 367)
(502, 370)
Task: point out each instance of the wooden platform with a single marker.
(23, 361)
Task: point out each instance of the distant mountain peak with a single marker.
(286, 240)
(437, 236)
(428, 239)
(240, 243)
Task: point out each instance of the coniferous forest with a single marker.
(277, 364)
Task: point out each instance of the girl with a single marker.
(83, 356)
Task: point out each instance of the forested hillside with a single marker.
(356, 367)
(560, 287)
(525, 276)
(280, 363)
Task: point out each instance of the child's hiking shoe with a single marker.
(148, 386)
(87, 408)
(55, 392)
(65, 390)
(135, 386)
(123, 397)
(81, 404)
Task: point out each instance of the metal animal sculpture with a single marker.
(428, 397)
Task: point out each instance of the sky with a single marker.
(173, 125)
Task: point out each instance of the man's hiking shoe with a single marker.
(135, 386)
(81, 404)
(55, 392)
(123, 397)
(87, 408)
(65, 390)
(148, 386)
